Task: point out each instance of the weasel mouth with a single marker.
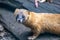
(20, 20)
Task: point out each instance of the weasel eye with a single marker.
(23, 16)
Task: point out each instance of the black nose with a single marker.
(18, 21)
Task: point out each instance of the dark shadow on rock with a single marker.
(11, 5)
(25, 35)
(44, 36)
(48, 35)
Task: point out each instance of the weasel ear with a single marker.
(28, 13)
(16, 12)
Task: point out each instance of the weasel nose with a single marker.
(20, 20)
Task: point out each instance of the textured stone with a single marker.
(19, 30)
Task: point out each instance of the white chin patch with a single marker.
(21, 20)
(41, 1)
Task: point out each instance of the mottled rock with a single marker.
(1, 28)
(19, 30)
(4, 33)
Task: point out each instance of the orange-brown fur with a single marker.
(40, 22)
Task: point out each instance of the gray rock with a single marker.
(1, 27)
(19, 30)
(4, 33)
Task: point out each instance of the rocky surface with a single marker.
(45, 7)
(7, 8)
(19, 30)
(5, 35)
